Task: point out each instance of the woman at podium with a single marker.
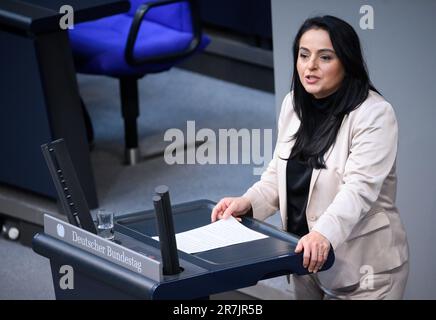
(333, 172)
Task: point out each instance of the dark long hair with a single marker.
(310, 147)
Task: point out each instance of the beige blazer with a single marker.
(352, 202)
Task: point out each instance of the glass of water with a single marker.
(105, 224)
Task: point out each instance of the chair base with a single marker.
(132, 156)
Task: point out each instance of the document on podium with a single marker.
(224, 232)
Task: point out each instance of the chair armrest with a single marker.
(134, 29)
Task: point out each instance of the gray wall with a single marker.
(401, 55)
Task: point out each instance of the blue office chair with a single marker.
(152, 37)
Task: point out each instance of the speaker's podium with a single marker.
(131, 267)
(136, 265)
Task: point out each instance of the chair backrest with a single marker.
(176, 15)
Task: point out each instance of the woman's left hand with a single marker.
(316, 249)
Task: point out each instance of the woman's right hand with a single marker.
(230, 206)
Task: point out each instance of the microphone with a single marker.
(165, 226)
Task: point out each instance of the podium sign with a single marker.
(103, 248)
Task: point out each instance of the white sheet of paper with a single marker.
(222, 233)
